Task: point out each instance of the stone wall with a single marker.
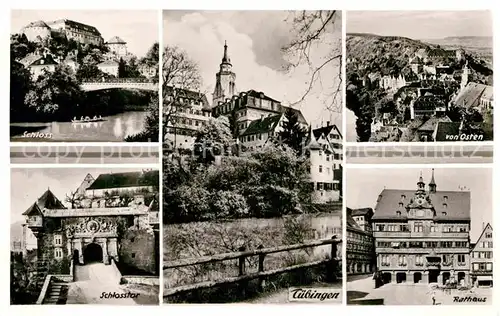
(135, 279)
(138, 250)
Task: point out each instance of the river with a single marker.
(115, 128)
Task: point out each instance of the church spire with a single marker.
(432, 184)
(225, 58)
(420, 183)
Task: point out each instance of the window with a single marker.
(57, 240)
(475, 266)
(320, 168)
(58, 254)
(433, 228)
(327, 157)
(403, 197)
(398, 213)
(402, 260)
(461, 244)
(489, 266)
(419, 260)
(400, 204)
(446, 244)
(380, 227)
(418, 227)
(445, 198)
(133, 255)
(461, 259)
(447, 258)
(488, 235)
(445, 205)
(443, 213)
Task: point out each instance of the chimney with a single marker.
(327, 123)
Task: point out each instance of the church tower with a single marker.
(225, 80)
(465, 77)
(432, 184)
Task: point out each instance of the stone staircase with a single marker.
(57, 294)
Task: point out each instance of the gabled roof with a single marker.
(430, 124)
(108, 63)
(362, 211)
(47, 200)
(488, 226)
(458, 204)
(37, 59)
(123, 180)
(116, 40)
(33, 210)
(311, 142)
(446, 129)
(326, 130)
(263, 125)
(471, 94)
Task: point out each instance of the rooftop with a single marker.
(457, 204)
(125, 179)
(263, 125)
(116, 40)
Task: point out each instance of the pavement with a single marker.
(411, 294)
(91, 281)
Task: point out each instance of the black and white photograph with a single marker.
(84, 76)
(419, 236)
(84, 236)
(419, 76)
(252, 156)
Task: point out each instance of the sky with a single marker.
(139, 29)
(421, 24)
(254, 40)
(364, 186)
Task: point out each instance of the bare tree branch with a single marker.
(312, 28)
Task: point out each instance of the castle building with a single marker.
(79, 32)
(36, 31)
(482, 259)
(360, 251)
(325, 163)
(225, 80)
(422, 236)
(188, 111)
(117, 46)
(116, 218)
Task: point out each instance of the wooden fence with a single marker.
(244, 277)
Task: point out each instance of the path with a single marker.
(409, 293)
(91, 281)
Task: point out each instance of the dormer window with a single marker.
(445, 205)
(403, 197)
(445, 198)
(443, 213)
(400, 204)
(398, 213)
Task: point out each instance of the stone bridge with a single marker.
(119, 83)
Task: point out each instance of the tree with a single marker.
(179, 73)
(121, 68)
(151, 130)
(20, 85)
(152, 57)
(131, 69)
(55, 95)
(213, 139)
(292, 133)
(311, 28)
(74, 198)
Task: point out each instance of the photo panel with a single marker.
(84, 76)
(84, 236)
(252, 156)
(419, 236)
(413, 82)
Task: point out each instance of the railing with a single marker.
(261, 274)
(45, 287)
(119, 80)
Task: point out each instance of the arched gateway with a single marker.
(92, 253)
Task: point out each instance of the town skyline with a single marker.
(255, 54)
(431, 24)
(138, 28)
(364, 186)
